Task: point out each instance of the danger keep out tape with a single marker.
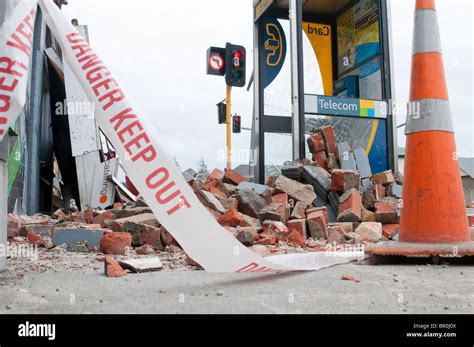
(155, 174)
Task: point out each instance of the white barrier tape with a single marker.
(16, 38)
(153, 171)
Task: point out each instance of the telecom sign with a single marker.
(334, 106)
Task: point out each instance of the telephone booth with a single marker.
(317, 63)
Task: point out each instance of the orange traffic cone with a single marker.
(433, 219)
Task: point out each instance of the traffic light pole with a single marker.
(228, 125)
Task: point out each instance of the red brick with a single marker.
(298, 225)
(299, 211)
(317, 225)
(35, 239)
(295, 238)
(270, 181)
(380, 191)
(233, 177)
(385, 177)
(116, 243)
(113, 269)
(277, 229)
(336, 234)
(13, 226)
(283, 209)
(151, 236)
(316, 143)
(266, 240)
(330, 139)
(386, 211)
(166, 237)
(216, 174)
(144, 218)
(321, 159)
(145, 249)
(88, 215)
(350, 207)
(344, 180)
(323, 209)
(59, 215)
(76, 217)
(389, 230)
(368, 216)
(217, 192)
(102, 217)
(231, 218)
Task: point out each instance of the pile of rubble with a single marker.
(332, 200)
(324, 204)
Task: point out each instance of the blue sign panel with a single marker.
(274, 49)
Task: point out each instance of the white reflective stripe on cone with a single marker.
(426, 36)
(429, 114)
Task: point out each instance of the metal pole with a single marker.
(228, 125)
(297, 86)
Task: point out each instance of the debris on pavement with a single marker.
(329, 203)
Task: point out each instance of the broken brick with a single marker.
(271, 212)
(370, 231)
(298, 225)
(13, 225)
(317, 225)
(336, 234)
(283, 210)
(35, 239)
(330, 139)
(166, 237)
(386, 211)
(145, 249)
(344, 180)
(266, 240)
(321, 159)
(299, 211)
(295, 190)
(216, 174)
(323, 209)
(316, 143)
(102, 217)
(277, 229)
(389, 230)
(385, 177)
(59, 215)
(246, 235)
(113, 269)
(350, 207)
(368, 216)
(295, 238)
(233, 177)
(348, 227)
(145, 218)
(250, 203)
(116, 243)
(231, 218)
(88, 215)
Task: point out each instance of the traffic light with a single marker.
(221, 111)
(235, 65)
(236, 124)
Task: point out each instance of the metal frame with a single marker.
(296, 124)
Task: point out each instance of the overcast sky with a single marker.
(156, 49)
